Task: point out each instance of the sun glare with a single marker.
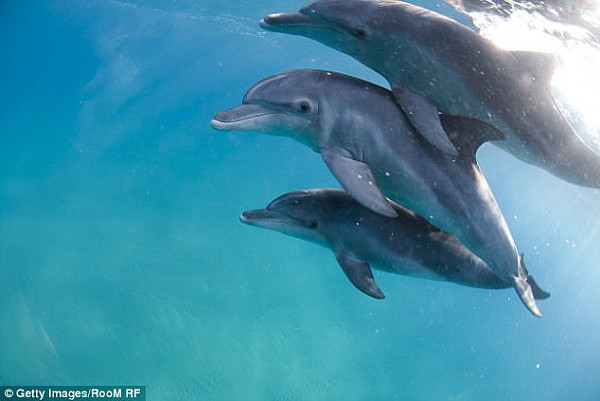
(576, 80)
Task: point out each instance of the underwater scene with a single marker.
(146, 145)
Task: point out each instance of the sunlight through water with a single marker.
(576, 82)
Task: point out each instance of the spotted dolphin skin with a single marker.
(434, 63)
(372, 150)
(406, 245)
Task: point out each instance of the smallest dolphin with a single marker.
(406, 245)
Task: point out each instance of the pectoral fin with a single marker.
(424, 116)
(359, 273)
(357, 179)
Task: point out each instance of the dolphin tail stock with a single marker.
(524, 289)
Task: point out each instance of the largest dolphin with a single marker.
(434, 63)
(372, 150)
(406, 245)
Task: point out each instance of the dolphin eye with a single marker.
(312, 224)
(360, 33)
(304, 107)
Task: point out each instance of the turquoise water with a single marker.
(122, 260)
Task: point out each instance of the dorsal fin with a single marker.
(540, 65)
(468, 134)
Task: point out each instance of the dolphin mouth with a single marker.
(266, 218)
(274, 220)
(245, 116)
(281, 22)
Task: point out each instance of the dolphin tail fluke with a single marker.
(538, 293)
(524, 290)
(526, 295)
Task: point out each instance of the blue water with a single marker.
(122, 260)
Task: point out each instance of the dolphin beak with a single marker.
(240, 117)
(275, 220)
(266, 218)
(283, 21)
(258, 216)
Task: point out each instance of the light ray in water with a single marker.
(575, 83)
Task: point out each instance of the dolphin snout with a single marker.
(222, 116)
(265, 218)
(245, 116)
(270, 19)
(249, 216)
(221, 120)
(282, 20)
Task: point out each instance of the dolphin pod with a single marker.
(435, 63)
(394, 146)
(406, 245)
(373, 151)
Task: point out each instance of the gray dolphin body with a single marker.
(434, 63)
(406, 245)
(372, 150)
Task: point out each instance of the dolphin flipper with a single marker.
(359, 273)
(424, 116)
(357, 179)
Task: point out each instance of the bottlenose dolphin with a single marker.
(406, 245)
(372, 150)
(434, 63)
